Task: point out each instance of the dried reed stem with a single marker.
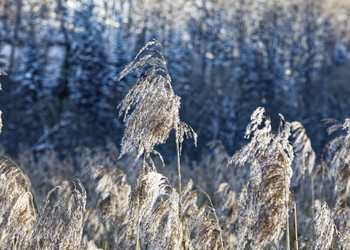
(287, 210)
(312, 196)
(295, 226)
(178, 166)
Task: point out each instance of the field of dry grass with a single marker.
(272, 193)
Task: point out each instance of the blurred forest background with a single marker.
(225, 58)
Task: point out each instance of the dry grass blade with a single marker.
(323, 227)
(17, 214)
(264, 200)
(60, 224)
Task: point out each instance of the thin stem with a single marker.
(215, 215)
(295, 226)
(138, 247)
(312, 195)
(287, 233)
(287, 207)
(144, 164)
(105, 244)
(178, 166)
(178, 174)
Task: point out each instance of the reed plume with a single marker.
(229, 201)
(113, 191)
(227, 210)
(151, 108)
(265, 198)
(153, 210)
(108, 202)
(341, 216)
(17, 213)
(200, 220)
(337, 157)
(324, 227)
(60, 223)
(304, 155)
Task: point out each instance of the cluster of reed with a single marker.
(131, 202)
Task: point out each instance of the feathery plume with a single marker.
(229, 201)
(337, 157)
(164, 227)
(245, 217)
(113, 191)
(265, 199)
(0, 114)
(323, 226)
(201, 222)
(17, 214)
(151, 108)
(304, 154)
(153, 208)
(149, 190)
(109, 196)
(342, 219)
(94, 230)
(60, 224)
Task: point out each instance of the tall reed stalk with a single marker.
(295, 226)
(151, 110)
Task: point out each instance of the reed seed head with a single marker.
(337, 157)
(304, 154)
(264, 200)
(150, 108)
(324, 227)
(17, 213)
